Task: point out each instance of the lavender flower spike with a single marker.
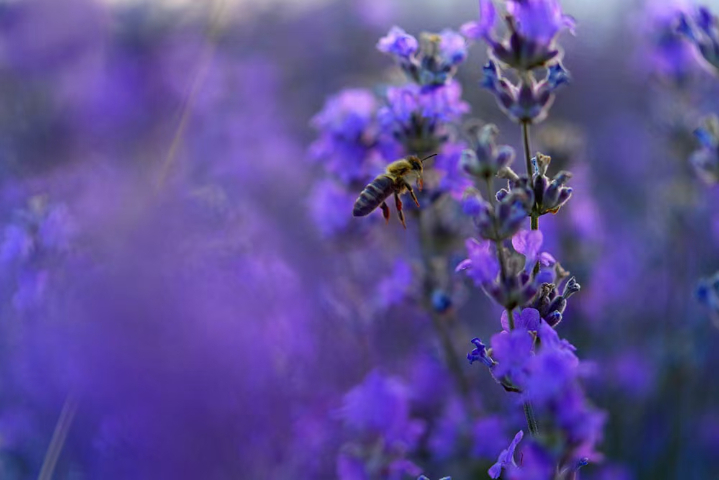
(529, 101)
(506, 458)
(533, 28)
(430, 62)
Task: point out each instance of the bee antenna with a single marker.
(427, 158)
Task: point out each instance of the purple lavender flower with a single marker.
(533, 28)
(375, 411)
(701, 29)
(348, 135)
(398, 43)
(499, 220)
(447, 164)
(379, 406)
(528, 243)
(512, 351)
(706, 160)
(536, 464)
(516, 288)
(528, 319)
(529, 101)
(662, 49)
(432, 61)
(506, 458)
(482, 265)
(486, 159)
(417, 118)
(480, 353)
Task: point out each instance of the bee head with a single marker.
(415, 162)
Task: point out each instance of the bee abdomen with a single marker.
(372, 196)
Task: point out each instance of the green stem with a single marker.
(530, 170)
(531, 420)
(527, 152)
(510, 316)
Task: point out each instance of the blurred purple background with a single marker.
(178, 276)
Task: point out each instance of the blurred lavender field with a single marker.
(184, 293)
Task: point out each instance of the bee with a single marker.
(395, 181)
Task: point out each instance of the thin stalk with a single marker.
(439, 323)
(510, 316)
(531, 419)
(59, 435)
(530, 170)
(527, 150)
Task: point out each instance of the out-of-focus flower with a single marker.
(533, 28)
(706, 160)
(395, 288)
(662, 50)
(488, 436)
(529, 101)
(330, 205)
(708, 293)
(506, 458)
(430, 62)
(700, 27)
(485, 159)
(347, 135)
(447, 163)
(380, 406)
(378, 410)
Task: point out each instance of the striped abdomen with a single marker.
(373, 195)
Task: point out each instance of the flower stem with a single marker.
(510, 317)
(439, 321)
(531, 420)
(528, 163)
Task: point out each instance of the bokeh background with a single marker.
(182, 298)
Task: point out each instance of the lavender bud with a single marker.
(571, 288)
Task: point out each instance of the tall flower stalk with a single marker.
(527, 358)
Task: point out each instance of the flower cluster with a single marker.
(430, 62)
(531, 44)
(376, 414)
(533, 28)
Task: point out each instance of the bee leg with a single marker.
(411, 193)
(385, 211)
(420, 184)
(398, 203)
